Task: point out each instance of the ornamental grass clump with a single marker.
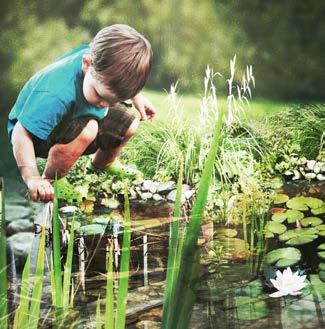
(183, 259)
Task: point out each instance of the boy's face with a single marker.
(94, 91)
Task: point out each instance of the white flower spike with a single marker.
(288, 283)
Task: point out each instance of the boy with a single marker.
(74, 107)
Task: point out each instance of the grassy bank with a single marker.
(190, 106)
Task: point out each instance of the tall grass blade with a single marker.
(109, 311)
(98, 315)
(35, 303)
(67, 268)
(124, 268)
(173, 251)
(184, 280)
(3, 262)
(21, 314)
(56, 252)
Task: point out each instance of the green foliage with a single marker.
(3, 261)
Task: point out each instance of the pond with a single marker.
(233, 287)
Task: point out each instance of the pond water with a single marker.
(232, 289)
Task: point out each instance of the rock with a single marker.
(111, 203)
(146, 185)
(153, 188)
(165, 187)
(15, 212)
(157, 197)
(20, 225)
(320, 177)
(146, 324)
(68, 209)
(21, 244)
(322, 169)
(188, 194)
(310, 175)
(310, 164)
(146, 196)
(171, 196)
(317, 168)
(297, 175)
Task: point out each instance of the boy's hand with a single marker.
(144, 106)
(40, 189)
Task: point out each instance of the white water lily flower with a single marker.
(288, 283)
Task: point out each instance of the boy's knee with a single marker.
(132, 129)
(89, 132)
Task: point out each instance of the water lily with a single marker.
(288, 283)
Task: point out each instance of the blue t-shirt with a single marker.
(51, 94)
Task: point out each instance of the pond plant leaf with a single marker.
(322, 275)
(290, 234)
(279, 217)
(321, 233)
(311, 221)
(283, 256)
(321, 254)
(275, 227)
(321, 227)
(293, 215)
(302, 239)
(297, 203)
(314, 203)
(321, 246)
(280, 198)
(321, 266)
(318, 211)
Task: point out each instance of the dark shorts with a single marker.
(111, 131)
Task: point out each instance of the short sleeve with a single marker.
(41, 113)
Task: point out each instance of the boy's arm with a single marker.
(144, 106)
(23, 149)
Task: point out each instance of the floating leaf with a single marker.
(321, 227)
(318, 211)
(275, 227)
(278, 210)
(87, 206)
(321, 246)
(321, 266)
(321, 233)
(314, 203)
(281, 198)
(281, 255)
(269, 234)
(293, 215)
(321, 254)
(322, 275)
(290, 234)
(311, 221)
(279, 217)
(302, 239)
(297, 203)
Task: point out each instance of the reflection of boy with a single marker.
(62, 111)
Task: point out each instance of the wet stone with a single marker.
(16, 212)
(21, 244)
(165, 187)
(19, 225)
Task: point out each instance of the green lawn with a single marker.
(190, 106)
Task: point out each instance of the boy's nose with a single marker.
(103, 104)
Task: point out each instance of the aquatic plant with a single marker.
(3, 261)
(288, 283)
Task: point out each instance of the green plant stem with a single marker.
(109, 310)
(124, 268)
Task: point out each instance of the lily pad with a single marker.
(314, 203)
(321, 266)
(321, 227)
(297, 203)
(303, 239)
(318, 211)
(279, 217)
(311, 221)
(293, 215)
(298, 232)
(322, 275)
(281, 198)
(321, 246)
(321, 254)
(283, 257)
(269, 234)
(321, 233)
(91, 229)
(275, 227)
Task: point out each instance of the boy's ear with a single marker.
(86, 63)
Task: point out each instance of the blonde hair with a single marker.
(121, 59)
